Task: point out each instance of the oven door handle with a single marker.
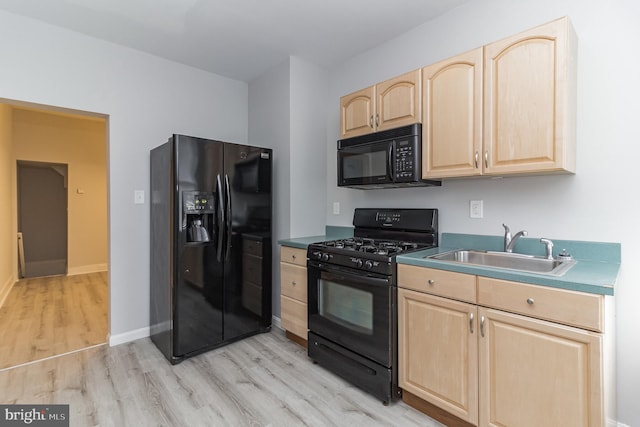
(347, 274)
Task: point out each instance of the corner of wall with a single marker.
(8, 226)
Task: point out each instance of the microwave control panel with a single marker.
(405, 159)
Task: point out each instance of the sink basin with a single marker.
(511, 261)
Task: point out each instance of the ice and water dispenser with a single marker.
(198, 215)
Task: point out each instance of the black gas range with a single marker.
(352, 295)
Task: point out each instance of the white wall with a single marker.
(269, 127)
(595, 204)
(7, 216)
(286, 113)
(147, 99)
(309, 85)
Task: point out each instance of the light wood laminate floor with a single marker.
(264, 380)
(48, 316)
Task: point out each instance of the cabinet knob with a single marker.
(293, 283)
(530, 301)
(431, 281)
(293, 257)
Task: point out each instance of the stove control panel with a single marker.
(348, 260)
(387, 217)
(364, 264)
(322, 256)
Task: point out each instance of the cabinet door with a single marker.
(452, 123)
(399, 101)
(535, 373)
(529, 116)
(357, 113)
(437, 352)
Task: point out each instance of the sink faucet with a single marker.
(509, 242)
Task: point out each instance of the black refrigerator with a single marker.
(210, 244)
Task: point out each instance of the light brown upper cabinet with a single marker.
(452, 121)
(505, 108)
(530, 101)
(392, 103)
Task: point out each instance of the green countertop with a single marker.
(302, 242)
(331, 233)
(596, 269)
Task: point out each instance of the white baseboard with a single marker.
(86, 269)
(275, 321)
(128, 336)
(5, 289)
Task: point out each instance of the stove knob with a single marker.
(325, 257)
(368, 265)
(359, 263)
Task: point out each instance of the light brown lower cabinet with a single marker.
(492, 367)
(537, 373)
(438, 354)
(293, 293)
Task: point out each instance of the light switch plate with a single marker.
(138, 197)
(336, 208)
(476, 209)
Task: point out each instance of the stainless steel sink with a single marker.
(520, 262)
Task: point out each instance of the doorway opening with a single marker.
(42, 218)
(53, 231)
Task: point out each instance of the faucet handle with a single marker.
(548, 247)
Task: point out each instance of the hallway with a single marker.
(48, 316)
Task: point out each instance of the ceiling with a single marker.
(240, 39)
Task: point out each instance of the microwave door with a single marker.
(369, 164)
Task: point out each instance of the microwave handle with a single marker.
(390, 162)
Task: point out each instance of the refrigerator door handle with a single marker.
(228, 214)
(220, 217)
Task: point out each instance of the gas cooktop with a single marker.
(373, 246)
(380, 235)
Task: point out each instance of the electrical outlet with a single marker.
(336, 208)
(475, 209)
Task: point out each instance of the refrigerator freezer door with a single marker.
(198, 293)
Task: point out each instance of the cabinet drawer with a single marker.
(293, 316)
(293, 255)
(293, 281)
(557, 305)
(438, 282)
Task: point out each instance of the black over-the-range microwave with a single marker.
(390, 158)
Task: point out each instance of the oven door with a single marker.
(367, 164)
(352, 308)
